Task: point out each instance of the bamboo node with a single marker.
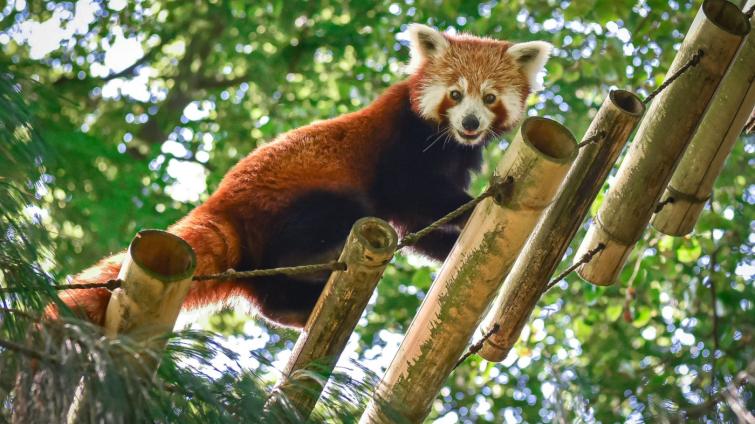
(681, 196)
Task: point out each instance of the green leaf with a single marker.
(689, 252)
(613, 312)
(643, 316)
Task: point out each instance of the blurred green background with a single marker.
(144, 105)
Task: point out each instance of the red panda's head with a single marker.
(476, 86)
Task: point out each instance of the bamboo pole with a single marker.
(661, 139)
(537, 160)
(692, 183)
(368, 249)
(155, 278)
(615, 121)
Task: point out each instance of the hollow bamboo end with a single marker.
(627, 102)
(726, 16)
(378, 239)
(606, 265)
(549, 139)
(537, 160)
(163, 255)
(678, 218)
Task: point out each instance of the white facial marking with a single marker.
(512, 102)
(430, 99)
(463, 85)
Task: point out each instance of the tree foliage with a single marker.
(133, 111)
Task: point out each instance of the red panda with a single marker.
(406, 158)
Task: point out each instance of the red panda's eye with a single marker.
(456, 95)
(489, 98)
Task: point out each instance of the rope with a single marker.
(593, 139)
(693, 61)
(499, 188)
(587, 257)
(291, 270)
(477, 346)
(669, 200)
(110, 285)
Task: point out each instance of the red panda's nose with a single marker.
(470, 123)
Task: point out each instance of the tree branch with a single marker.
(730, 390)
(714, 316)
(185, 82)
(7, 344)
(128, 71)
(20, 313)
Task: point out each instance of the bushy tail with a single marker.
(214, 240)
(90, 304)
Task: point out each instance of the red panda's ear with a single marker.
(532, 56)
(425, 43)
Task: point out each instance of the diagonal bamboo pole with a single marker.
(668, 127)
(537, 160)
(368, 249)
(615, 121)
(692, 182)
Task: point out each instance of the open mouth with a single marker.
(469, 135)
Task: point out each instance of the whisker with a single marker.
(438, 136)
(437, 129)
(447, 139)
(496, 134)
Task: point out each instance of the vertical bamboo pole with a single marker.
(692, 182)
(155, 278)
(616, 119)
(661, 139)
(368, 249)
(537, 160)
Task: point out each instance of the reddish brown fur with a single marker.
(233, 227)
(337, 154)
